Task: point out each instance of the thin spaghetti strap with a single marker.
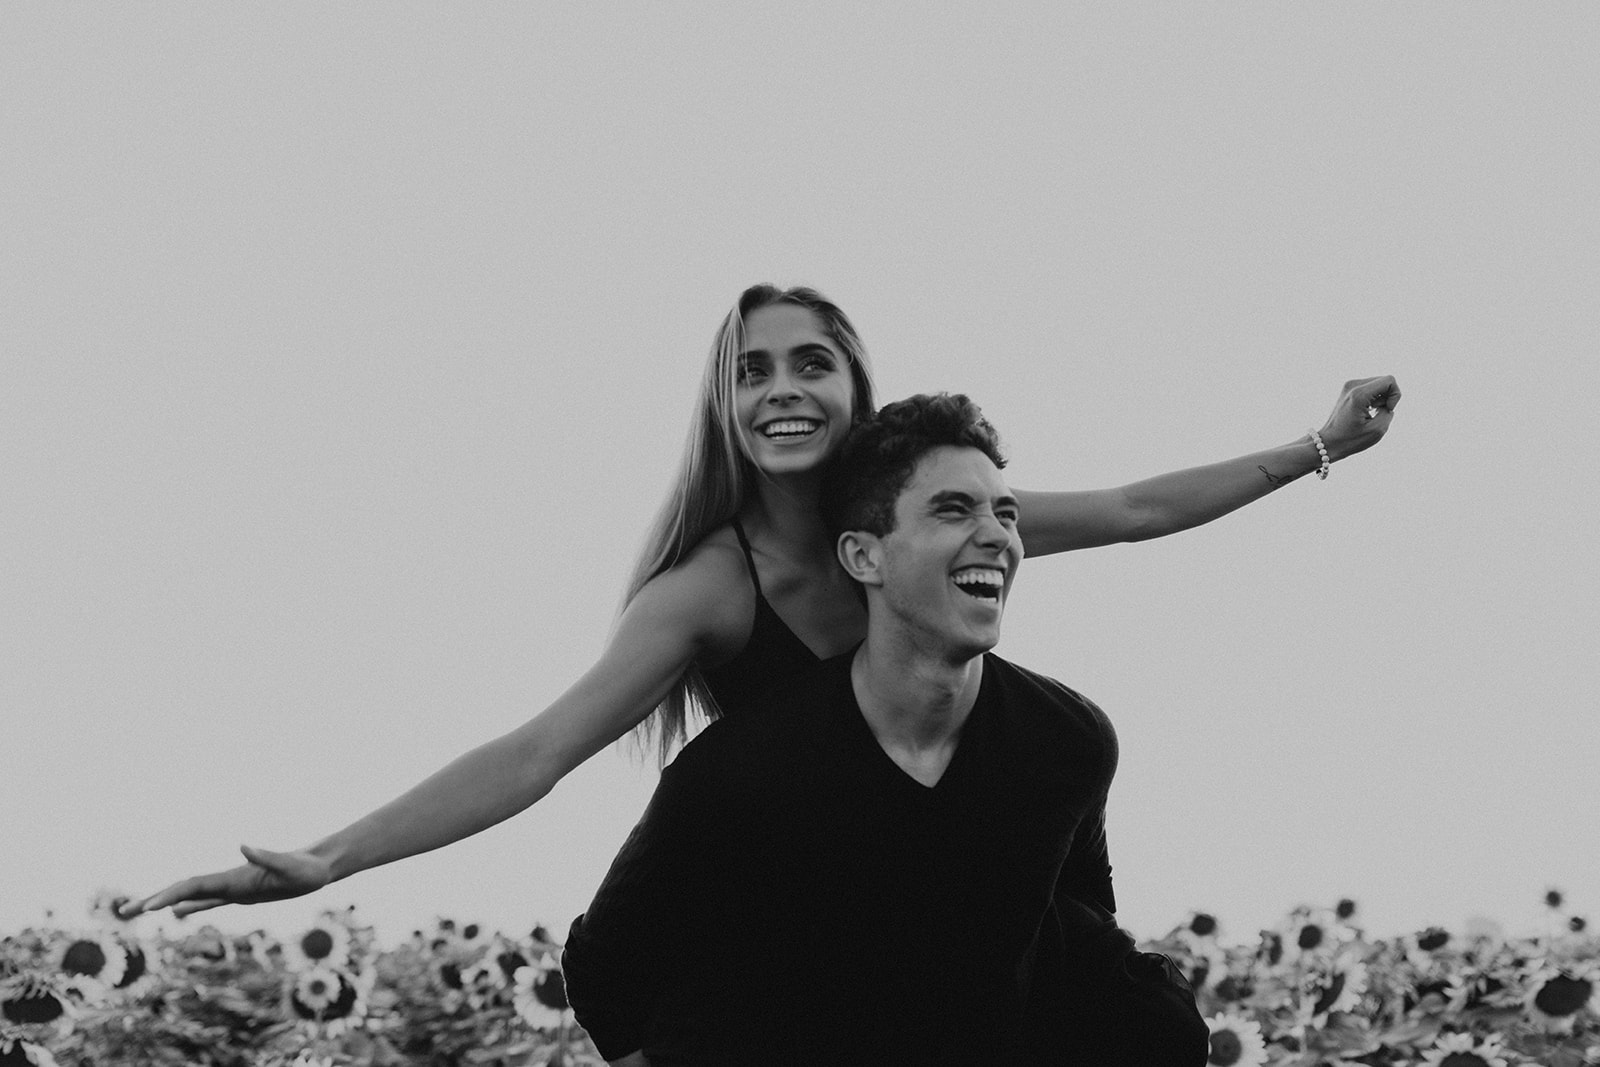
(749, 556)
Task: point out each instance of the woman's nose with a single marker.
(782, 388)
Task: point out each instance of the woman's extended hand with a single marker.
(267, 876)
(1361, 416)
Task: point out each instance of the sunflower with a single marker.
(15, 1052)
(31, 999)
(485, 985)
(1312, 933)
(539, 994)
(326, 944)
(509, 957)
(96, 964)
(1555, 997)
(1235, 1041)
(1463, 1050)
(327, 996)
(105, 908)
(1338, 987)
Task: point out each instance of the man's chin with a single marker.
(972, 647)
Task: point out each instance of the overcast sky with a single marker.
(348, 349)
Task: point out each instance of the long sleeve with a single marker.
(1086, 873)
(1108, 1003)
(619, 951)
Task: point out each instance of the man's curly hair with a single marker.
(869, 471)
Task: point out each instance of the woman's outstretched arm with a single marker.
(677, 617)
(1181, 500)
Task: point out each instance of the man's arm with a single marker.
(618, 950)
(1110, 1001)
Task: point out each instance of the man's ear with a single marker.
(861, 555)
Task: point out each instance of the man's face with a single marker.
(947, 566)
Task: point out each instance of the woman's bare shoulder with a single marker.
(711, 587)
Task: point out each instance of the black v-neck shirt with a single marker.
(791, 895)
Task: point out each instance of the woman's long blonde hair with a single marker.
(716, 476)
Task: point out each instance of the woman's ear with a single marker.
(861, 555)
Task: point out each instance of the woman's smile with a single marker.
(794, 391)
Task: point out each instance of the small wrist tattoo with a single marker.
(1277, 479)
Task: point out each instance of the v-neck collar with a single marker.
(888, 768)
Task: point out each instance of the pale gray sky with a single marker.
(349, 348)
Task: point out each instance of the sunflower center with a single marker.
(1463, 1059)
(1433, 938)
(84, 957)
(1562, 995)
(1310, 937)
(317, 945)
(39, 1007)
(135, 969)
(1226, 1048)
(551, 990)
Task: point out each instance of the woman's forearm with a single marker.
(483, 787)
(1158, 506)
(657, 637)
(1184, 499)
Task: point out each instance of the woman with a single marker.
(738, 587)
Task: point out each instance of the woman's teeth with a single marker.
(789, 428)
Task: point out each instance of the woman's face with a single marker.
(794, 392)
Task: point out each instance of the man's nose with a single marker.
(991, 531)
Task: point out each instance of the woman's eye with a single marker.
(816, 365)
(751, 373)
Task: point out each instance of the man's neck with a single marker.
(914, 703)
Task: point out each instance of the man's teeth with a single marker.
(980, 581)
(799, 427)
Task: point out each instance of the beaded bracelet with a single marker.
(1316, 439)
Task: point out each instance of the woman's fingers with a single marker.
(177, 891)
(266, 876)
(189, 907)
(238, 885)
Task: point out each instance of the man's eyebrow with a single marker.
(957, 496)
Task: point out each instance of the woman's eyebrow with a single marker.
(807, 349)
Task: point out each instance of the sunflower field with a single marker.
(1314, 992)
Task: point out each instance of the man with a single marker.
(864, 871)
